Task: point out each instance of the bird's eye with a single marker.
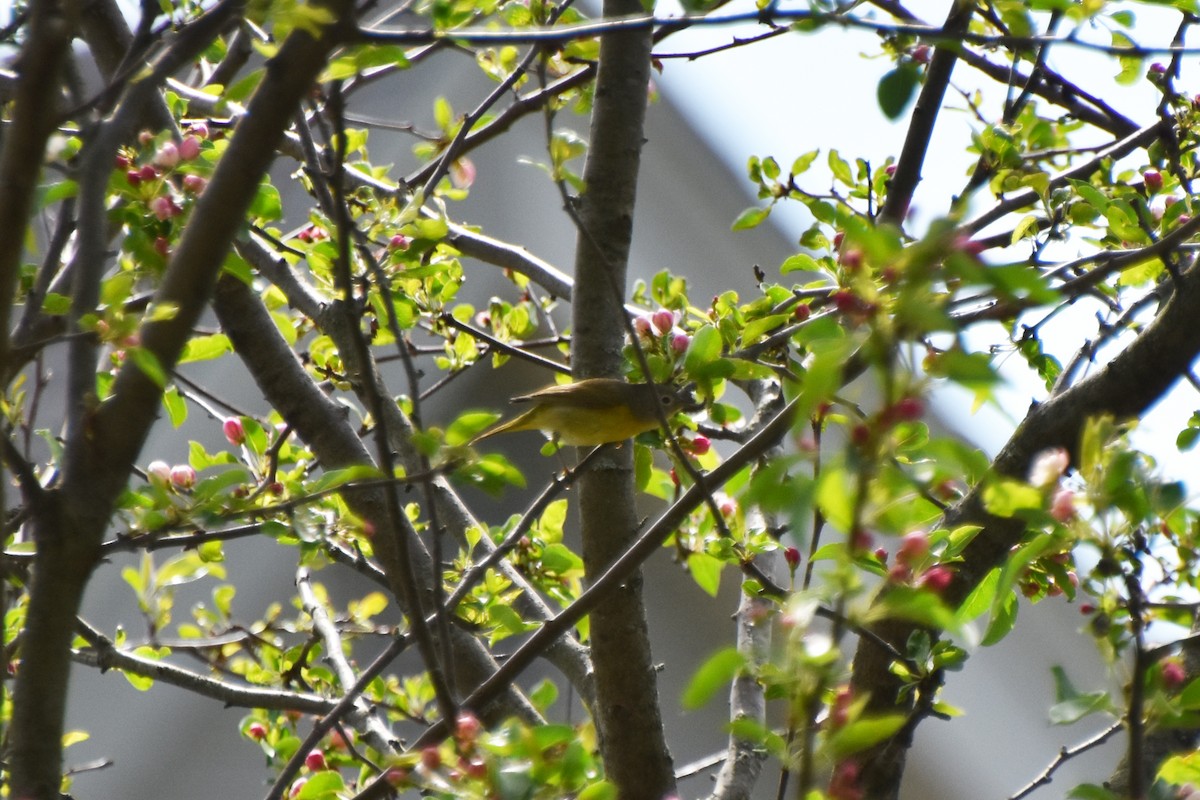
(666, 399)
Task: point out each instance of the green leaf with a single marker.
(1072, 705)
(1004, 616)
(840, 169)
(56, 304)
(720, 668)
(836, 495)
(148, 363)
(757, 328)
(917, 605)
(751, 218)
(799, 263)
(704, 348)
(803, 162)
(1007, 497)
(543, 695)
(267, 204)
(468, 425)
(323, 785)
(600, 790)
(980, 599)
(865, 732)
(1181, 769)
(74, 737)
(1090, 791)
(340, 477)
(706, 571)
(175, 405)
(205, 348)
(896, 89)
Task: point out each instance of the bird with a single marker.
(593, 411)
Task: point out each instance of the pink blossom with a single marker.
(462, 173)
(1048, 466)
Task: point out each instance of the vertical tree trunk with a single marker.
(627, 712)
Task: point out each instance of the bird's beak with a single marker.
(690, 403)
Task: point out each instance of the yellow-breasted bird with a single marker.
(593, 411)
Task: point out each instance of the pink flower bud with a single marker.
(792, 556)
(968, 245)
(167, 155)
(199, 130)
(641, 324)
(727, 505)
(466, 728)
(399, 242)
(1173, 674)
(183, 476)
(907, 409)
(194, 184)
(134, 177)
(700, 445)
(164, 207)
(315, 760)
(148, 173)
(1062, 507)
(159, 472)
(861, 541)
(189, 148)
(936, 579)
(234, 431)
(680, 342)
(914, 546)
(920, 54)
(663, 320)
